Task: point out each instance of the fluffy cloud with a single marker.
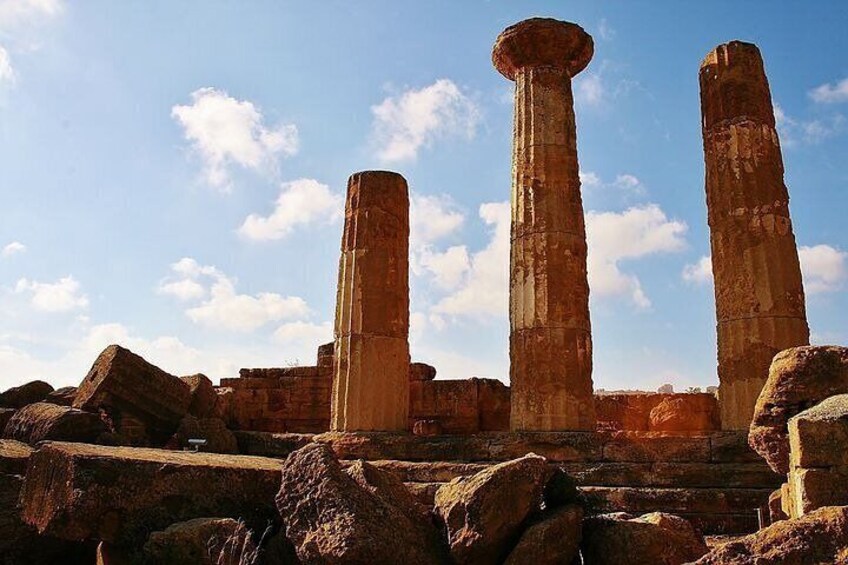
(300, 202)
(7, 73)
(793, 131)
(485, 286)
(222, 307)
(589, 179)
(620, 236)
(13, 248)
(589, 89)
(831, 93)
(17, 13)
(225, 131)
(416, 118)
(700, 272)
(825, 268)
(294, 333)
(61, 296)
(432, 219)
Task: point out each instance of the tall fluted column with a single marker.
(550, 344)
(759, 295)
(371, 367)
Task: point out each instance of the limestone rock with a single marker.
(120, 494)
(819, 537)
(62, 396)
(29, 393)
(656, 538)
(202, 541)
(553, 539)
(331, 519)
(775, 507)
(421, 372)
(42, 421)
(799, 378)
(681, 414)
(483, 514)
(14, 456)
(388, 487)
(203, 395)
(218, 438)
(120, 382)
(818, 436)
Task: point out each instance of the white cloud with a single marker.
(700, 272)
(614, 237)
(589, 179)
(825, 268)
(589, 89)
(625, 182)
(484, 290)
(830, 93)
(416, 118)
(15, 13)
(448, 267)
(225, 131)
(13, 248)
(293, 333)
(811, 132)
(301, 202)
(432, 218)
(62, 296)
(7, 73)
(224, 308)
(605, 32)
(629, 182)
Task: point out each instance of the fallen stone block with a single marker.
(818, 537)
(685, 413)
(120, 494)
(6, 415)
(203, 541)
(799, 378)
(20, 396)
(483, 514)
(818, 436)
(427, 428)
(42, 421)
(330, 518)
(203, 395)
(552, 539)
(421, 372)
(62, 396)
(211, 430)
(14, 456)
(122, 382)
(656, 538)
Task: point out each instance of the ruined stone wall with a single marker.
(461, 406)
(657, 412)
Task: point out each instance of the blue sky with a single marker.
(172, 176)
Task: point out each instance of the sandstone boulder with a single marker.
(14, 456)
(330, 518)
(819, 537)
(388, 487)
(218, 438)
(818, 436)
(62, 396)
(20, 396)
(203, 395)
(121, 382)
(78, 491)
(42, 421)
(685, 413)
(6, 415)
(202, 541)
(799, 378)
(552, 539)
(421, 372)
(656, 538)
(484, 514)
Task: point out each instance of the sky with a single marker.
(172, 176)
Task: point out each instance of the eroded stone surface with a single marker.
(29, 393)
(759, 296)
(62, 396)
(371, 374)
(685, 413)
(203, 396)
(43, 421)
(553, 539)
(202, 541)
(550, 346)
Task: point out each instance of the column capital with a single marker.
(542, 42)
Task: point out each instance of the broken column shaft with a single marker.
(550, 333)
(371, 368)
(759, 295)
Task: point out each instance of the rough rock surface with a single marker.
(330, 518)
(698, 413)
(421, 372)
(388, 487)
(218, 438)
(484, 514)
(20, 396)
(371, 373)
(550, 344)
(799, 378)
(427, 428)
(202, 541)
(120, 494)
(5, 415)
(14, 456)
(818, 538)
(62, 396)
(121, 382)
(632, 412)
(552, 539)
(203, 395)
(656, 538)
(42, 421)
(759, 296)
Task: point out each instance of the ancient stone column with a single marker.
(550, 343)
(759, 295)
(371, 367)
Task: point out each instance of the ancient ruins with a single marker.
(366, 457)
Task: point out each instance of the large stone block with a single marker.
(122, 382)
(29, 393)
(42, 421)
(120, 494)
(818, 436)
